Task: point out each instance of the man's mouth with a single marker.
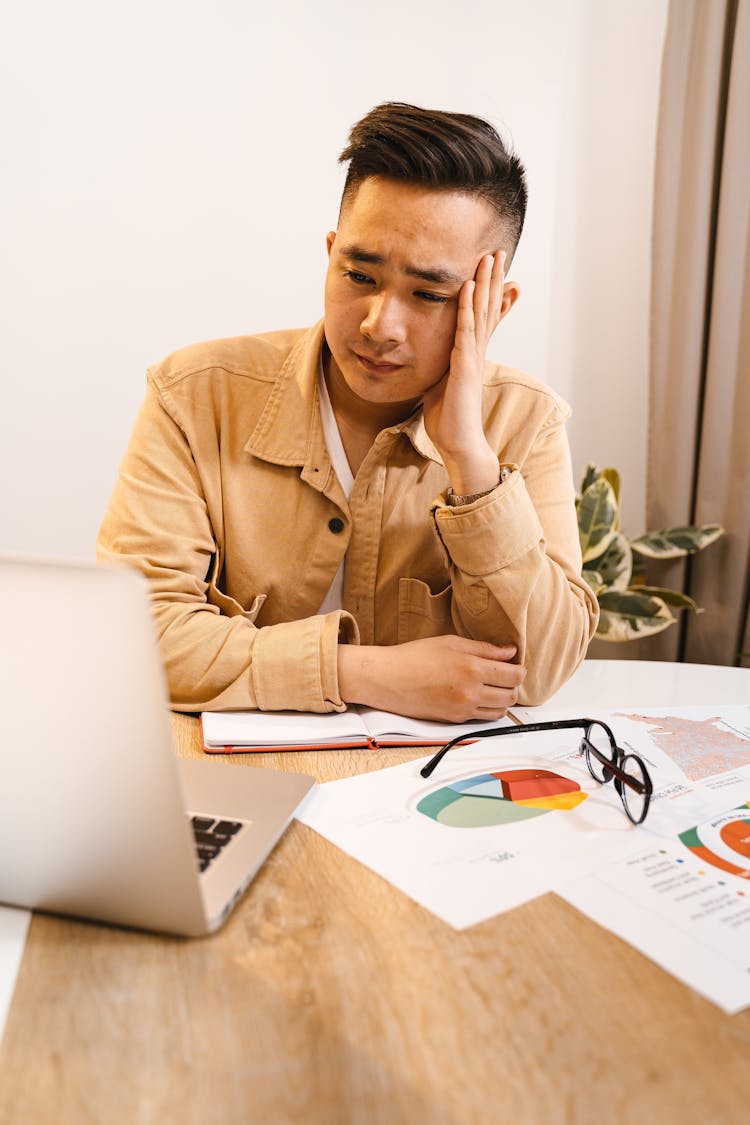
(377, 366)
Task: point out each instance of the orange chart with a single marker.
(723, 842)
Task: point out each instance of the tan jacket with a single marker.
(227, 501)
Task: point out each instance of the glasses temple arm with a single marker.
(498, 732)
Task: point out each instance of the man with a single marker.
(368, 511)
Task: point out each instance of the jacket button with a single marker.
(336, 525)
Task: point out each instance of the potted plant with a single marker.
(614, 566)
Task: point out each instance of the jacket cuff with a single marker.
(295, 663)
(492, 532)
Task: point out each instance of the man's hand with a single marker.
(453, 407)
(447, 678)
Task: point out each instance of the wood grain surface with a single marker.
(330, 997)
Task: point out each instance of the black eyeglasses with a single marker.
(605, 759)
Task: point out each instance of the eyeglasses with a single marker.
(606, 760)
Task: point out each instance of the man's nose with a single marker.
(384, 320)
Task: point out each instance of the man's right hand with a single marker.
(448, 678)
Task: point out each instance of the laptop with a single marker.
(99, 818)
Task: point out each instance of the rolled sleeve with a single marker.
(515, 567)
(491, 533)
(295, 665)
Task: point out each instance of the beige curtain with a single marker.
(699, 430)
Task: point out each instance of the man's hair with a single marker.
(435, 149)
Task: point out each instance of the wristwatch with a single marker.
(456, 501)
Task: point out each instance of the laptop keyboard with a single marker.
(211, 836)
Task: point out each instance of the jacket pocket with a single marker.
(422, 613)
(230, 608)
(226, 605)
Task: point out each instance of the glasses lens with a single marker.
(635, 791)
(599, 741)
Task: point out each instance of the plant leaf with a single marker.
(613, 477)
(627, 615)
(671, 597)
(597, 516)
(615, 565)
(674, 542)
(593, 579)
(590, 474)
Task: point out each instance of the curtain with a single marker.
(699, 417)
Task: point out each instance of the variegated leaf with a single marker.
(590, 474)
(615, 565)
(627, 616)
(674, 542)
(613, 477)
(597, 515)
(593, 579)
(671, 597)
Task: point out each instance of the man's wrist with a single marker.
(456, 499)
(481, 474)
(356, 672)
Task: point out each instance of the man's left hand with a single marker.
(453, 407)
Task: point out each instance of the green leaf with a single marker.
(597, 516)
(674, 542)
(615, 565)
(613, 477)
(671, 597)
(593, 579)
(590, 474)
(627, 615)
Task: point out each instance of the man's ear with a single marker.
(511, 293)
(330, 239)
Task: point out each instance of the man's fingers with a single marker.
(497, 289)
(465, 322)
(494, 674)
(483, 649)
(483, 292)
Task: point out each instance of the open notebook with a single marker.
(226, 732)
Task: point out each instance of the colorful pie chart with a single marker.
(500, 798)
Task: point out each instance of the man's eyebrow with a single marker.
(438, 276)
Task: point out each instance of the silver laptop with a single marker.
(98, 816)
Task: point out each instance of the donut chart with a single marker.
(724, 841)
(503, 797)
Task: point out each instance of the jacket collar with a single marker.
(290, 431)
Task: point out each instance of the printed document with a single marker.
(504, 820)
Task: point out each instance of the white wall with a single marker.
(170, 173)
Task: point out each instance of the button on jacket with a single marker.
(227, 501)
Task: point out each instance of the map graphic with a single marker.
(724, 841)
(700, 747)
(500, 798)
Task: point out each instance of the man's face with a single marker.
(396, 265)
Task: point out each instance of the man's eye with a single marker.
(432, 298)
(358, 278)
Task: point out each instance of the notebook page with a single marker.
(281, 728)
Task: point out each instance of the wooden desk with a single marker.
(329, 997)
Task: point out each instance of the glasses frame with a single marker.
(611, 768)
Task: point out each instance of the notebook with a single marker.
(227, 732)
(97, 813)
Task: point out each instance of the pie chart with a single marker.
(723, 842)
(500, 798)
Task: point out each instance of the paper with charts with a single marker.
(502, 821)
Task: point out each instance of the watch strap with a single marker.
(456, 500)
